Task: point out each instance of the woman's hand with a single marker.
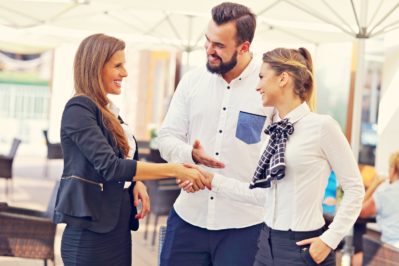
(189, 187)
(185, 173)
(140, 194)
(318, 250)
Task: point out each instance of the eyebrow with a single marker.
(217, 43)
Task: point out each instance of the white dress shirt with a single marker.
(206, 108)
(316, 147)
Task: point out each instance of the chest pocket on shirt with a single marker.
(249, 127)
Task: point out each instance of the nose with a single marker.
(258, 87)
(209, 48)
(123, 72)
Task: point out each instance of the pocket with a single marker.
(79, 199)
(249, 127)
(307, 258)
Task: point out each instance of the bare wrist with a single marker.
(173, 171)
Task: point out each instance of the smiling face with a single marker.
(269, 86)
(221, 47)
(113, 73)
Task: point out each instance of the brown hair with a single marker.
(394, 161)
(244, 19)
(93, 53)
(297, 62)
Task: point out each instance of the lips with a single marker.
(118, 83)
(213, 59)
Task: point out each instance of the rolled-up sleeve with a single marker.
(79, 123)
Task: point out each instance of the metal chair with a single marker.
(163, 194)
(162, 234)
(27, 233)
(54, 151)
(6, 162)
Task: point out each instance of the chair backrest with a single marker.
(51, 204)
(163, 194)
(14, 147)
(155, 156)
(377, 253)
(45, 133)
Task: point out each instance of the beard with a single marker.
(224, 67)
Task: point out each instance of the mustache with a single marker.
(216, 56)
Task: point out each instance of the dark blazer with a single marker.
(90, 195)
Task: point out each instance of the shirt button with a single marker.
(224, 108)
(211, 198)
(217, 153)
(239, 79)
(220, 131)
(228, 87)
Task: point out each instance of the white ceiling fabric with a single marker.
(39, 24)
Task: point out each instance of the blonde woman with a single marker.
(292, 173)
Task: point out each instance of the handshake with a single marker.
(192, 178)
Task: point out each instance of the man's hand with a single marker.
(189, 186)
(140, 194)
(200, 157)
(318, 250)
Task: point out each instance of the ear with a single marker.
(244, 47)
(284, 78)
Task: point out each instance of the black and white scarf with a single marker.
(271, 165)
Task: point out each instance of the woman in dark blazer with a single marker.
(100, 159)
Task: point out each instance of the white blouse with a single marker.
(316, 147)
(128, 132)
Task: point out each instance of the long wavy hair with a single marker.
(297, 62)
(93, 53)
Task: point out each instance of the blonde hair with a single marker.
(93, 53)
(297, 62)
(394, 161)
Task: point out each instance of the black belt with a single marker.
(294, 235)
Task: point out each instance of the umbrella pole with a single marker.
(348, 248)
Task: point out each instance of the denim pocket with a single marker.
(249, 127)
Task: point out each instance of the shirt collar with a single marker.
(296, 114)
(252, 66)
(113, 108)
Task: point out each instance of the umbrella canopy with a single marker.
(47, 23)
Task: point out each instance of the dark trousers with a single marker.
(186, 244)
(279, 248)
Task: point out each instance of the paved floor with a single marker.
(32, 190)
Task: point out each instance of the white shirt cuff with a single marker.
(217, 182)
(330, 239)
(188, 154)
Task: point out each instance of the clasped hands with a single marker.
(203, 178)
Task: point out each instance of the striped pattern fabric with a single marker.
(162, 233)
(271, 165)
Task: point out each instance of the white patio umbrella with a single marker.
(32, 24)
